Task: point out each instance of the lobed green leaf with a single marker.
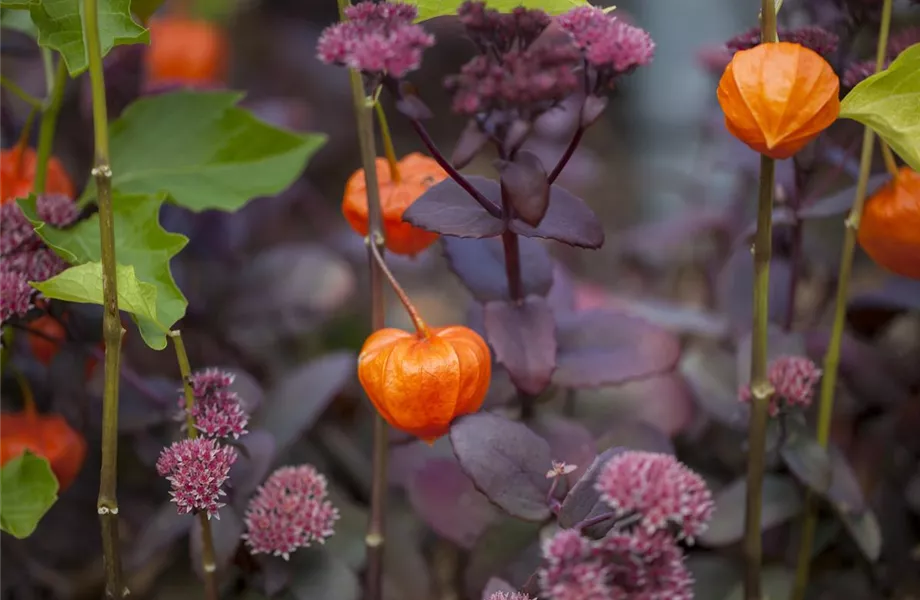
(28, 489)
(889, 103)
(203, 151)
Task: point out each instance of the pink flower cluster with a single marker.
(197, 470)
(818, 39)
(378, 39)
(793, 379)
(611, 46)
(497, 32)
(289, 511)
(658, 491)
(509, 596)
(218, 412)
(620, 566)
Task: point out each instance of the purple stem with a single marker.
(454, 174)
(557, 170)
(581, 526)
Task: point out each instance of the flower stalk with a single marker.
(112, 331)
(52, 108)
(420, 326)
(375, 537)
(388, 149)
(832, 355)
(761, 390)
(208, 562)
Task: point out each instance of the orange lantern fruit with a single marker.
(412, 176)
(185, 51)
(17, 175)
(778, 96)
(889, 230)
(49, 436)
(46, 343)
(420, 382)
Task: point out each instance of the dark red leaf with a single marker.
(781, 502)
(636, 435)
(523, 337)
(568, 220)
(447, 209)
(735, 282)
(480, 265)
(526, 188)
(446, 499)
(569, 442)
(584, 502)
(469, 144)
(506, 461)
(501, 547)
(249, 472)
(600, 347)
(592, 110)
(805, 457)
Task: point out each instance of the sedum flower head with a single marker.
(15, 294)
(657, 490)
(21, 248)
(288, 512)
(814, 38)
(217, 411)
(509, 596)
(197, 470)
(620, 566)
(793, 379)
(497, 32)
(378, 39)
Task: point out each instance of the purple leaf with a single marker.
(735, 282)
(568, 220)
(678, 319)
(225, 532)
(636, 435)
(665, 240)
(845, 493)
(276, 574)
(840, 201)
(561, 296)
(506, 461)
(601, 347)
(524, 185)
(321, 575)
(480, 265)
(592, 110)
(782, 216)
(779, 343)
(447, 209)
(296, 401)
(247, 474)
(781, 502)
(500, 547)
(583, 501)
(468, 145)
(569, 441)
(865, 530)
(523, 337)
(711, 374)
(805, 457)
(446, 499)
(160, 531)
(895, 293)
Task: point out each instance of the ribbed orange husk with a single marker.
(186, 51)
(417, 173)
(889, 230)
(778, 97)
(17, 175)
(49, 436)
(418, 384)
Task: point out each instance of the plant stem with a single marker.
(388, 149)
(890, 165)
(208, 564)
(20, 93)
(512, 253)
(111, 323)
(832, 355)
(761, 390)
(569, 151)
(417, 320)
(376, 528)
(48, 126)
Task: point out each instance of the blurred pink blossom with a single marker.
(197, 470)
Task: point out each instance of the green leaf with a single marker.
(203, 151)
(17, 4)
(17, 20)
(28, 488)
(429, 9)
(60, 27)
(141, 242)
(888, 103)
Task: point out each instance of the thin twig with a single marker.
(569, 151)
(112, 330)
(48, 126)
(832, 355)
(20, 93)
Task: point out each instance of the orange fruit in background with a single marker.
(17, 175)
(49, 436)
(777, 97)
(417, 173)
(889, 230)
(186, 51)
(42, 348)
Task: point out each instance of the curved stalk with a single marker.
(20, 93)
(761, 390)
(376, 532)
(420, 326)
(388, 148)
(48, 126)
(112, 331)
(832, 356)
(208, 563)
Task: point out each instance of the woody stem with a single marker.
(388, 149)
(761, 391)
(417, 320)
(375, 537)
(832, 355)
(208, 564)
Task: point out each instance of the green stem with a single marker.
(888, 156)
(376, 533)
(111, 323)
(388, 149)
(20, 93)
(832, 355)
(48, 126)
(761, 390)
(208, 563)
